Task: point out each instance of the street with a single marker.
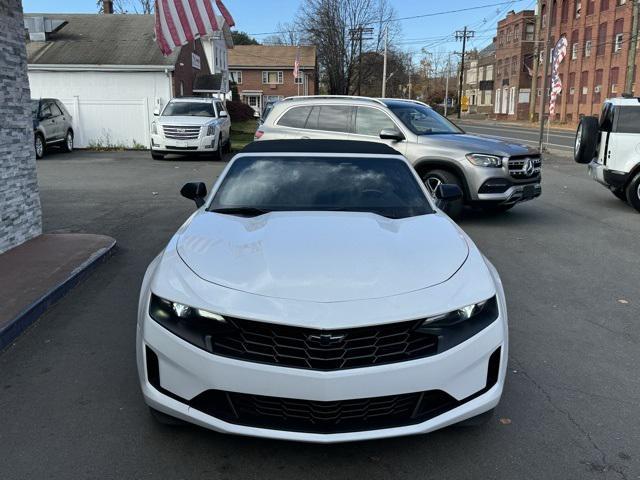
(71, 407)
(559, 142)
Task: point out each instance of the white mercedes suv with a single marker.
(191, 125)
(318, 294)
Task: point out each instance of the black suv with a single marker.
(51, 125)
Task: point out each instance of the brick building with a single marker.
(514, 59)
(598, 34)
(265, 72)
(20, 214)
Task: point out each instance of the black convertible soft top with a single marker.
(319, 146)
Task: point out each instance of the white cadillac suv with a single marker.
(318, 294)
(191, 125)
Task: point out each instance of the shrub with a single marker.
(239, 112)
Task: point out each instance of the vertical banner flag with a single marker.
(559, 52)
(296, 64)
(179, 22)
(225, 13)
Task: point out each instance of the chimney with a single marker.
(107, 6)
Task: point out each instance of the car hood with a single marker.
(184, 120)
(465, 143)
(322, 256)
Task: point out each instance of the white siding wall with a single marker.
(108, 108)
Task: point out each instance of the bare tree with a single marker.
(329, 24)
(288, 34)
(129, 6)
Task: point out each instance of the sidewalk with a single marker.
(36, 274)
(559, 128)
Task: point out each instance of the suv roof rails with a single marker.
(410, 100)
(335, 97)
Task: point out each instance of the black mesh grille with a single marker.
(324, 350)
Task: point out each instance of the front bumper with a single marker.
(502, 191)
(185, 372)
(204, 143)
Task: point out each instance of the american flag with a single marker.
(559, 52)
(178, 22)
(296, 64)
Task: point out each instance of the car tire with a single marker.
(157, 156)
(633, 192)
(39, 145)
(164, 419)
(477, 421)
(67, 145)
(218, 155)
(433, 178)
(584, 145)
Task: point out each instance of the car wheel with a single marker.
(156, 156)
(633, 192)
(39, 145)
(67, 145)
(433, 178)
(584, 147)
(477, 421)
(217, 155)
(165, 419)
(620, 193)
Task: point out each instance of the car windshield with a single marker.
(384, 186)
(423, 120)
(189, 109)
(35, 104)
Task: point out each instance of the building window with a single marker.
(618, 27)
(489, 74)
(271, 77)
(299, 79)
(584, 89)
(236, 76)
(578, 8)
(574, 51)
(572, 88)
(499, 69)
(516, 33)
(514, 65)
(509, 35)
(587, 48)
(597, 87)
(602, 39)
(604, 5)
(565, 11)
(621, 2)
(591, 7)
(529, 32)
(617, 46)
(613, 78)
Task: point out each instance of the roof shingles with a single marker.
(256, 56)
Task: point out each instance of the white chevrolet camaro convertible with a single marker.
(318, 294)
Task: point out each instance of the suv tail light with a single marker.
(258, 134)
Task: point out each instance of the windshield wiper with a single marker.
(242, 211)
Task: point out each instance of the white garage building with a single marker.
(109, 72)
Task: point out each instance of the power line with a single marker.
(413, 17)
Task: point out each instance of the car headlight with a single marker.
(484, 160)
(454, 317)
(154, 128)
(211, 130)
(194, 325)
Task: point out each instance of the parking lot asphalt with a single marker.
(71, 408)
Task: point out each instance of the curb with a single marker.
(31, 313)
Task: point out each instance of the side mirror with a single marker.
(448, 192)
(391, 134)
(156, 112)
(222, 114)
(196, 191)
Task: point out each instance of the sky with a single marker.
(435, 33)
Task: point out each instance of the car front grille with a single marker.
(324, 417)
(323, 349)
(179, 132)
(524, 167)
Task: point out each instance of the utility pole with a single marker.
(631, 59)
(534, 77)
(462, 35)
(446, 88)
(543, 97)
(360, 33)
(384, 63)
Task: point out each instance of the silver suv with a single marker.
(492, 173)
